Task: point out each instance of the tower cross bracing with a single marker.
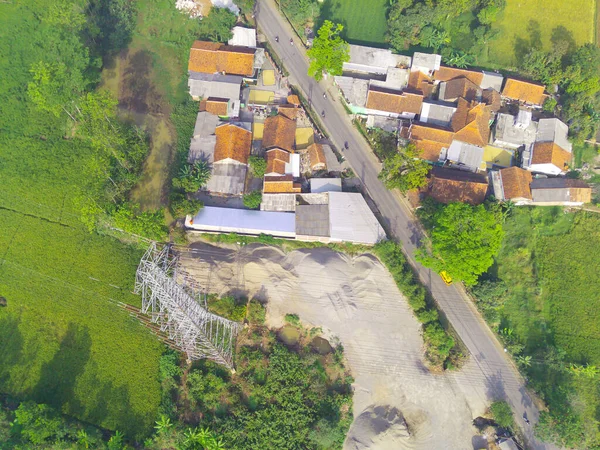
(196, 331)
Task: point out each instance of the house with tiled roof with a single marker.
(280, 132)
(280, 185)
(216, 106)
(512, 184)
(421, 82)
(445, 73)
(230, 159)
(551, 152)
(526, 92)
(461, 87)
(316, 156)
(282, 162)
(471, 123)
(448, 186)
(393, 103)
(213, 57)
(430, 140)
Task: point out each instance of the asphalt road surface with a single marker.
(499, 377)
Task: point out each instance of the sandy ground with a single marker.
(398, 403)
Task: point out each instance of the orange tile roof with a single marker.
(276, 159)
(449, 186)
(524, 91)
(216, 106)
(288, 111)
(550, 153)
(212, 57)
(279, 132)
(446, 73)
(317, 157)
(462, 87)
(293, 100)
(421, 82)
(232, 142)
(515, 182)
(471, 122)
(430, 150)
(394, 102)
(281, 185)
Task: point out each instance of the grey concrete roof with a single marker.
(320, 185)
(312, 220)
(389, 124)
(557, 183)
(211, 218)
(437, 114)
(465, 154)
(426, 62)
(214, 85)
(506, 133)
(206, 124)
(227, 178)
(492, 80)
(553, 130)
(373, 60)
(351, 219)
(354, 89)
(245, 37)
(396, 79)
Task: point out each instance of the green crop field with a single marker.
(524, 22)
(364, 20)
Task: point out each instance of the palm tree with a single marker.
(185, 171)
(163, 424)
(201, 172)
(83, 438)
(459, 59)
(116, 441)
(524, 361)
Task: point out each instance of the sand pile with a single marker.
(398, 403)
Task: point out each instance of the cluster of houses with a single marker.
(483, 133)
(246, 108)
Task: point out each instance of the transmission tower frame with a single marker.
(175, 308)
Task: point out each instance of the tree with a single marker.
(193, 176)
(253, 200)
(246, 6)
(163, 424)
(217, 25)
(328, 52)
(502, 414)
(258, 166)
(404, 171)
(464, 240)
(181, 206)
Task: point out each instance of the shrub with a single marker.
(502, 414)
(256, 312)
(258, 166)
(150, 224)
(293, 319)
(181, 206)
(252, 200)
(228, 307)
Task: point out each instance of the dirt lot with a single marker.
(398, 403)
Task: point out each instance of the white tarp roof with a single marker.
(293, 167)
(245, 37)
(351, 219)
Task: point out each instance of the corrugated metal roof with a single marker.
(466, 154)
(214, 85)
(227, 220)
(351, 219)
(227, 178)
(312, 220)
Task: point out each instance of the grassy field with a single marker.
(524, 22)
(364, 20)
(550, 307)
(64, 341)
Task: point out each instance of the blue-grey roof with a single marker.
(226, 220)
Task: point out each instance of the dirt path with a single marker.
(398, 403)
(130, 78)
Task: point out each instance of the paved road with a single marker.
(488, 361)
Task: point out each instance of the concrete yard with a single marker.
(398, 402)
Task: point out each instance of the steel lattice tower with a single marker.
(197, 332)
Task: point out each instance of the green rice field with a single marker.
(527, 22)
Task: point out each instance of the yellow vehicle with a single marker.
(446, 277)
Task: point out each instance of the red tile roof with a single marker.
(276, 160)
(279, 131)
(317, 157)
(471, 122)
(281, 185)
(393, 101)
(550, 153)
(446, 73)
(524, 91)
(448, 186)
(515, 183)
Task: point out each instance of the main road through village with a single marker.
(498, 377)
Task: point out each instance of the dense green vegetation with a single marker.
(576, 73)
(328, 52)
(542, 297)
(258, 166)
(463, 239)
(252, 199)
(503, 415)
(279, 397)
(404, 171)
(440, 346)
